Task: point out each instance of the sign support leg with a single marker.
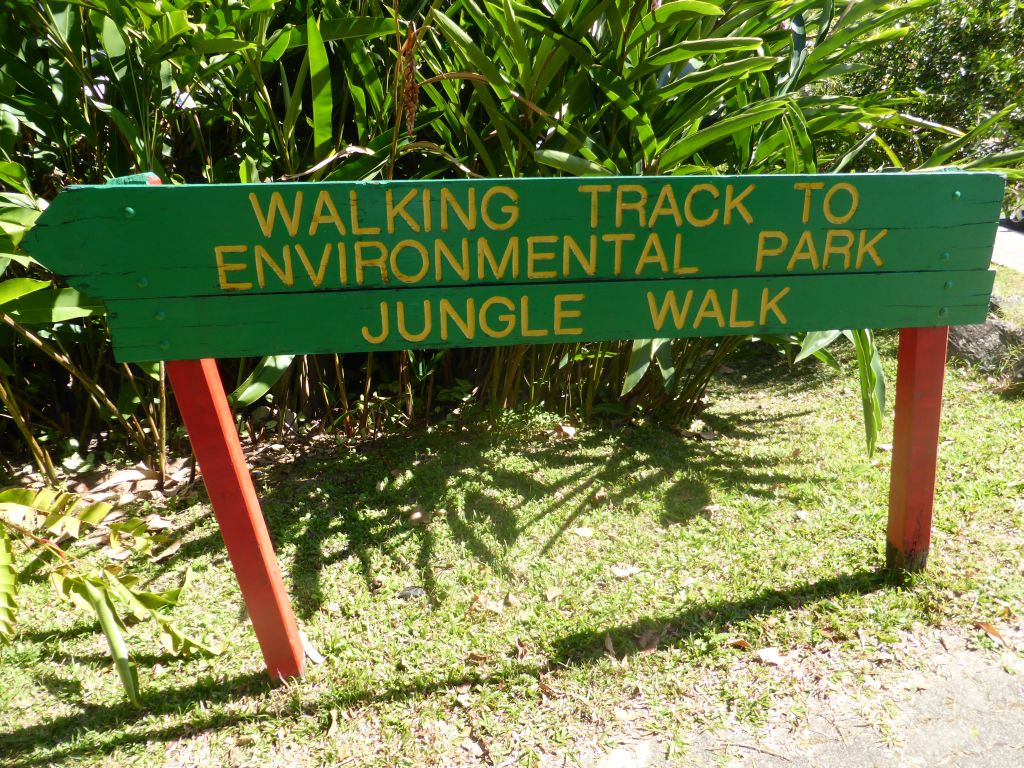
(204, 408)
(921, 368)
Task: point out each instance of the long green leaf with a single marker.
(724, 128)
(8, 586)
(17, 287)
(267, 373)
(320, 86)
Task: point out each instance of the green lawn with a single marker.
(576, 590)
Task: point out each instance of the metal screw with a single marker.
(947, 285)
(956, 194)
(159, 315)
(165, 345)
(944, 256)
(129, 211)
(943, 312)
(142, 282)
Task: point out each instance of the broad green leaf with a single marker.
(814, 341)
(670, 14)
(574, 165)
(320, 87)
(13, 175)
(53, 305)
(640, 356)
(695, 142)
(8, 587)
(946, 151)
(266, 374)
(17, 287)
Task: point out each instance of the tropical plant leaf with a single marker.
(8, 586)
(267, 373)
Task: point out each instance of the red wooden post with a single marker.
(921, 368)
(204, 407)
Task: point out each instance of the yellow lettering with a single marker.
(561, 313)
(267, 221)
(639, 204)
(653, 254)
(223, 267)
(323, 201)
(868, 247)
(467, 215)
(804, 251)
(383, 335)
(772, 305)
(467, 324)
(665, 205)
(677, 259)
(317, 278)
(688, 205)
(833, 248)
(808, 187)
(734, 303)
(533, 255)
(342, 264)
(736, 203)
(408, 277)
(669, 304)
(508, 318)
(763, 249)
(618, 239)
(426, 210)
(284, 274)
(854, 202)
(380, 262)
(427, 321)
(353, 210)
(524, 310)
(399, 210)
(442, 250)
(709, 307)
(484, 255)
(511, 210)
(571, 248)
(594, 190)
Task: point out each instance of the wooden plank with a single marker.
(173, 241)
(211, 429)
(921, 368)
(224, 326)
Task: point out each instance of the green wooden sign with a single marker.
(230, 270)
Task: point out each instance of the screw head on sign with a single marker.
(947, 285)
(957, 194)
(142, 282)
(943, 312)
(129, 211)
(159, 315)
(165, 345)
(944, 256)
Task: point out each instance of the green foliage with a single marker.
(202, 92)
(42, 522)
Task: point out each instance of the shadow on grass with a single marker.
(332, 504)
(575, 649)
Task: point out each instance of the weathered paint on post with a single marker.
(919, 377)
(233, 270)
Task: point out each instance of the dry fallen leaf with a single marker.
(521, 651)
(600, 497)
(739, 642)
(771, 656)
(166, 552)
(158, 523)
(609, 646)
(477, 658)
(624, 571)
(992, 632)
(565, 430)
(584, 532)
(118, 555)
(472, 747)
(552, 593)
(547, 689)
(648, 641)
(418, 515)
(311, 652)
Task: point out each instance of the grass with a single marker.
(1010, 283)
(577, 591)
